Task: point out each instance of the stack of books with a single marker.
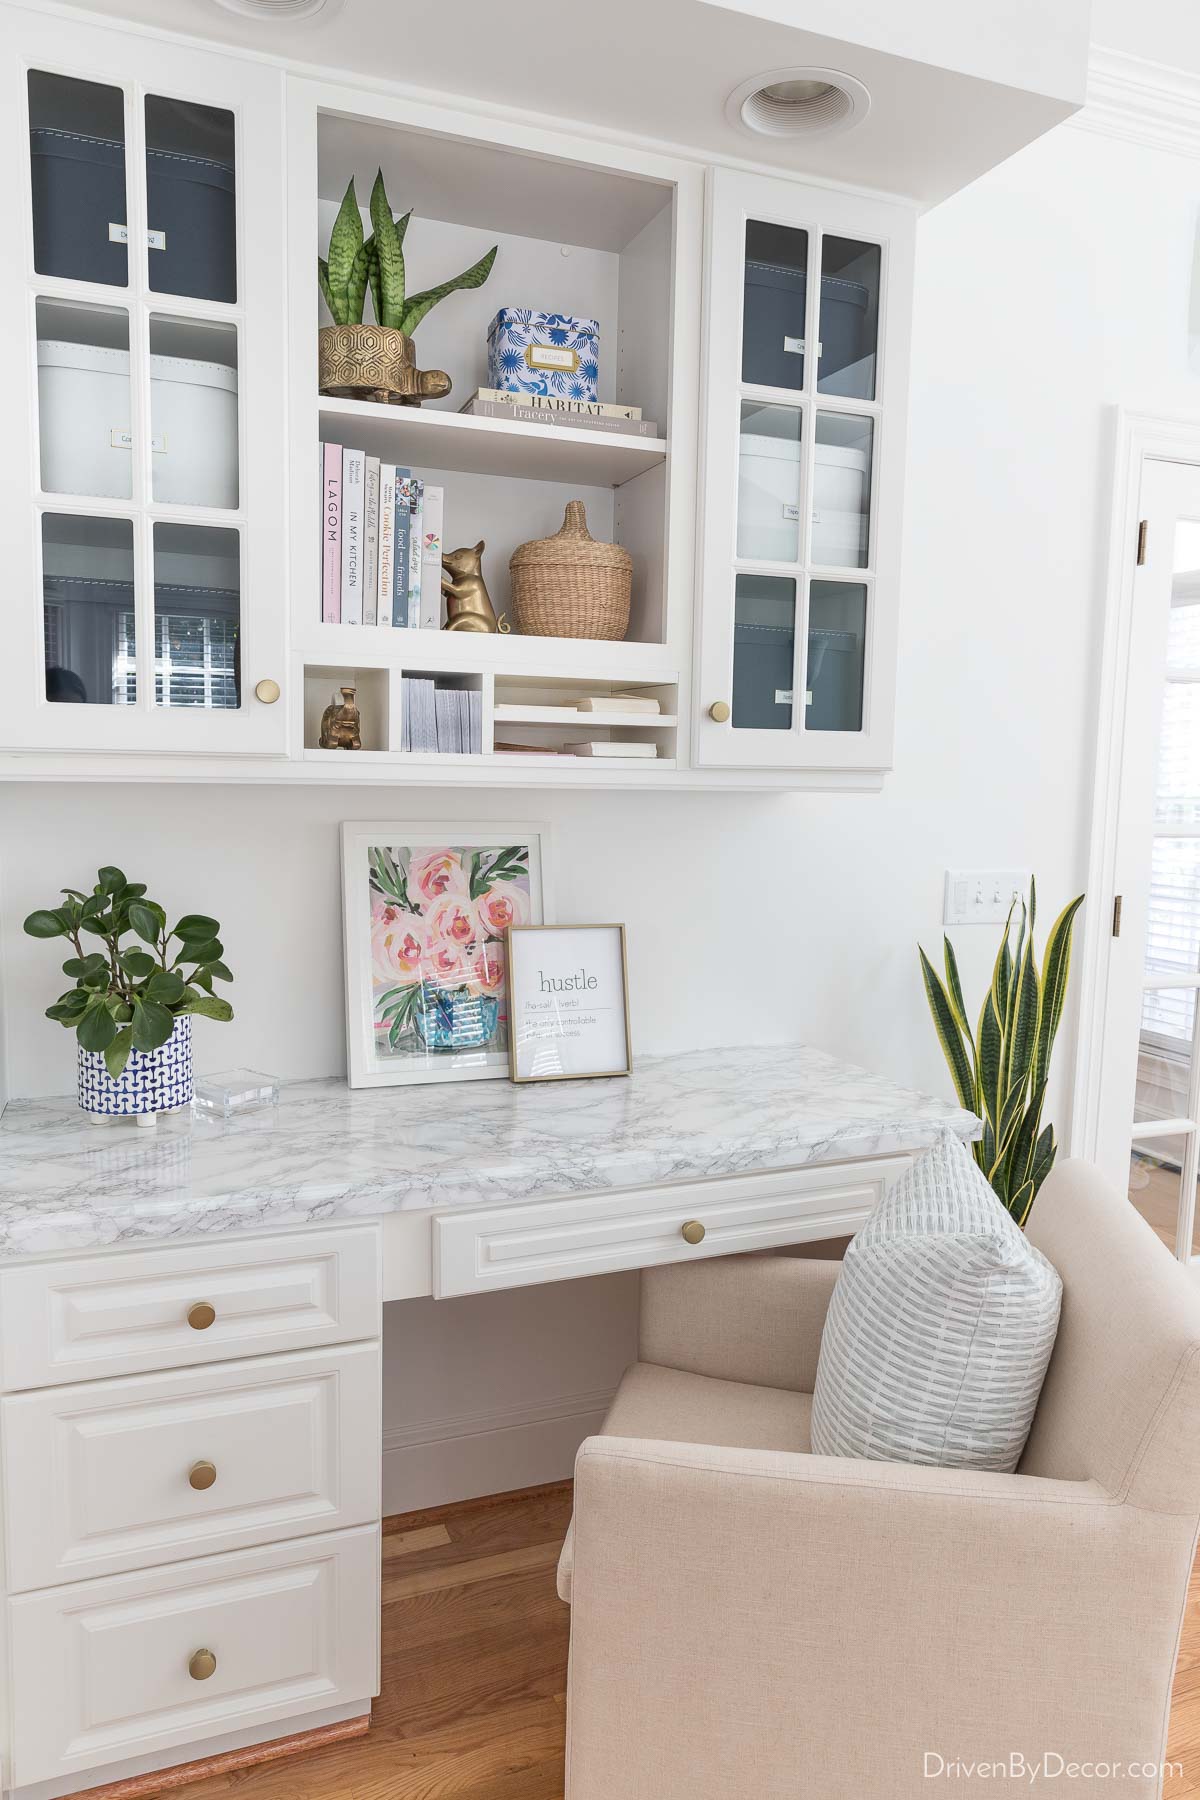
(440, 719)
(552, 409)
(381, 542)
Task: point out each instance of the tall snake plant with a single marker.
(1001, 1073)
(355, 262)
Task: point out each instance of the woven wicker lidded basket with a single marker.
(571, 584)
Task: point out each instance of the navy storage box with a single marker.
(773, 320)
(79, 192)
(763, 666)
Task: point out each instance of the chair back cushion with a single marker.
(940, 1327)
(1121, 1404)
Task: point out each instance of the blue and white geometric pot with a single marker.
(153, 1081)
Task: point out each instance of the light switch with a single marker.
(983, 896)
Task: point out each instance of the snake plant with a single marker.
(356, 263)
(1001, 1072)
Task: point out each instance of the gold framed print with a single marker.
(568, 997)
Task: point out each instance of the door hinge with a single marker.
(1116, 925)
(1143, 534)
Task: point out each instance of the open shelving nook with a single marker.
(600, 240)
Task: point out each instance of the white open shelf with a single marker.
(463, 444)
(505, 713)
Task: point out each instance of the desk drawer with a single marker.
(122, 1312)
(100, 1669)
(286, 1445)
(635, 1228)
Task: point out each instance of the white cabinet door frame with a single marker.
(734, 199)
(253, 92)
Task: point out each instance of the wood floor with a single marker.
(475, 1664)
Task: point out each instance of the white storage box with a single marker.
(768, 511)
(85, 409)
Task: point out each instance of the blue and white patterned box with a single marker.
(153, 1081)
(543, 353)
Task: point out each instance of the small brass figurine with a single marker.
(341, 725)
(468, 603)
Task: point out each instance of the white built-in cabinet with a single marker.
(163, 607)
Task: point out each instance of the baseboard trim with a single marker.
(470, 1456)
(440, 1515)
(184, 1774)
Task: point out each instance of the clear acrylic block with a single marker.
(234, 1091)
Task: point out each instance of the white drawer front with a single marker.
(294, 1441)
(119, 1313)
(553, 1240)
(100, 1669)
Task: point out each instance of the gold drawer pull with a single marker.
(201, 1475)
(693, 1232)
(201, 1665)
(201, 1316)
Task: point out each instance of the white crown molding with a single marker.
(1141, 102)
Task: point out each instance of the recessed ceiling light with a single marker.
(798, 103)
(280, 11)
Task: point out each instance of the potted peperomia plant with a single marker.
(133, 994)
(376, 362)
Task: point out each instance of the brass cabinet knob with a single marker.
(693, 1232)
(201, 1475)
(202, 1664)
(201, 1316)
(718, 712)
(267, 692)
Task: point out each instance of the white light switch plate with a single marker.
(982, 896)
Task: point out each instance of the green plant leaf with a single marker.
(209, 1007)
(69, 1008)
(46, 924)
(198, 952)
(1045, 1151)
(138, 963)
(387, 253)
(344, 242)
(196, 925)
(948, 1033)
(96, 1029)
(1056, 967)
(416, 308)
(356, 286)
(373, 278)
(202, 978)
(990, 1039)
(110, 880)
(144, 921)
(165, 986)
(133, 890)
(84, 965)
(220, 971)
(326, 291)
(116, 1054)
(152, 1023)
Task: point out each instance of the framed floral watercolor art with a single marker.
(426, 912)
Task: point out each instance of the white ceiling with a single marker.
(657, 68)
(1161, 31)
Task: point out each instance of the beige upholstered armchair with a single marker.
(752, 1622)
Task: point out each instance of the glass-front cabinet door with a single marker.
(806, 354)
(143, 324)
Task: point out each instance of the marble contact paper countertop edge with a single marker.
(331, 1153)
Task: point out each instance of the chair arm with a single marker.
(753, 1625)
(753, 1318)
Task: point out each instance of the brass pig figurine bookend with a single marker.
(341, 725)
(468, 604)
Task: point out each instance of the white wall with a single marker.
(1055, 288)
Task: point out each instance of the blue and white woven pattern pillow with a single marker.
(940, 1327)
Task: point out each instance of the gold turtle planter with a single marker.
(375, 362)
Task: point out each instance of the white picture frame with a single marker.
(568, 992)
(444, 1032)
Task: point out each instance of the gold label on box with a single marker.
(551, 356)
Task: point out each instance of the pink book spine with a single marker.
(331, 536)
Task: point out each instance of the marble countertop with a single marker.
(329, 1152)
